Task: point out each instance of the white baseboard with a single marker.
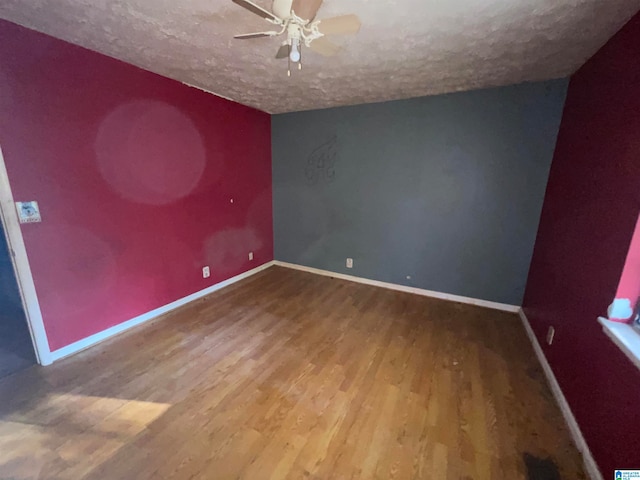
(393, 286)
(145, 317)
(590, 464)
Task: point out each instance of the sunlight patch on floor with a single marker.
(70, 433)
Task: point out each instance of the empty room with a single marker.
(319, 239)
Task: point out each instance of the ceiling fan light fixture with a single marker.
(294, 55)
(301, 29)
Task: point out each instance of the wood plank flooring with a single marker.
(292, 375)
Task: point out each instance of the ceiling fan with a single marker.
(296, 19)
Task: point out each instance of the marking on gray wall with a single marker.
(321, 162)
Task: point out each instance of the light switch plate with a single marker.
(28, 212)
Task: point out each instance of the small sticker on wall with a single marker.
(28, 212)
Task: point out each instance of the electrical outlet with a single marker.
(349, 262)
(250, 255)
(206, 272)
(550, 334)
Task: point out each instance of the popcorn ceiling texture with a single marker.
(406, 48)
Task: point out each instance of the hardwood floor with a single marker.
(292, 375)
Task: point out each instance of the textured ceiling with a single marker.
(406, 48)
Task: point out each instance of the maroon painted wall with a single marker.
(590, 210)
(134, 174)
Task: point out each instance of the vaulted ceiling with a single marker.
(406, 48)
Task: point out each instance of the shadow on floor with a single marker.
(540, 468)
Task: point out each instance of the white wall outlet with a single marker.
(206, 272)
(250, 255)
(550, 334)
(349, 262)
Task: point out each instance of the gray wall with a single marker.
(9, 294)
(446, 190)
(16, 349)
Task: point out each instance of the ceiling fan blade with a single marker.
(324, 47)
(282, 8)
(258, 10)
(283, 51)
(306, 9)
(342, 25)
(245, 36)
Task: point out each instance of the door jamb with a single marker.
(21, 268)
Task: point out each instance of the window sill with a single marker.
(625, 337)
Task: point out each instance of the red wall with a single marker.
(589, 214)
(134, 174)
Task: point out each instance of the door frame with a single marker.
(21, 268)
